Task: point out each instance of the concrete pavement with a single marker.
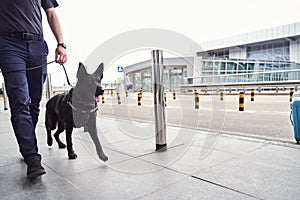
(197, 165)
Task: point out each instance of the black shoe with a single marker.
(35, 169)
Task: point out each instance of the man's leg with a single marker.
(19, 101)
(35, 83)
(13, 56)
(38, 52)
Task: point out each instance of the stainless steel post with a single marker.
(159, 108)
(4, 97)
(48, 86)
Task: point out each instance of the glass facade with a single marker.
(141, 80)
(220, 53)
(278, 50)
(265, 61)
(233, 70)
(172, 79)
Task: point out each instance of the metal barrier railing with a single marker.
(257, 76)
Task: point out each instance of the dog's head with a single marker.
(89, 85)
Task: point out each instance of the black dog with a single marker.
(75, 109)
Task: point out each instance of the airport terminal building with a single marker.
(262, 56)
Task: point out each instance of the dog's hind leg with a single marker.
(93, 133)
(60, 129)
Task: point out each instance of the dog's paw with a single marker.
(103, 157)
(61, 145)
(72, 156)
(49, 141)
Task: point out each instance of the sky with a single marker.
(87, 24)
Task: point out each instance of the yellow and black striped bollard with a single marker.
(103, 101)
(165, 99)
(291, 93)
(141, 92)
(252, 94)
(221, 95)
(111, 92)
(151, 90)
(139, 99)
(174, 95)
(241, 101)
(119, 98)
(126, 92)
(197, 102)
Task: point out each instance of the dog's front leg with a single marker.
(69, 130)
(94, 135)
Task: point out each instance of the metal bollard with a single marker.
(197, 102)
(119, 98)
(174, 95)
(241, 101)
(103, 100)
(291, 93)
(252, 94)
(139, 99)
(4, 97)
(221, 95)
(48, 86)
(158, 97)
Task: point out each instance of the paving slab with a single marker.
(123, 180)
(193, 189)
(271, 172)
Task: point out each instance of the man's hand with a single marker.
(60, 55)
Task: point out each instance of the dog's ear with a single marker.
(99, 71)
(81, 71)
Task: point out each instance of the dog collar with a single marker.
(82, 111)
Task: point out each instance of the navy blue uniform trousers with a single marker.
(24, 88)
